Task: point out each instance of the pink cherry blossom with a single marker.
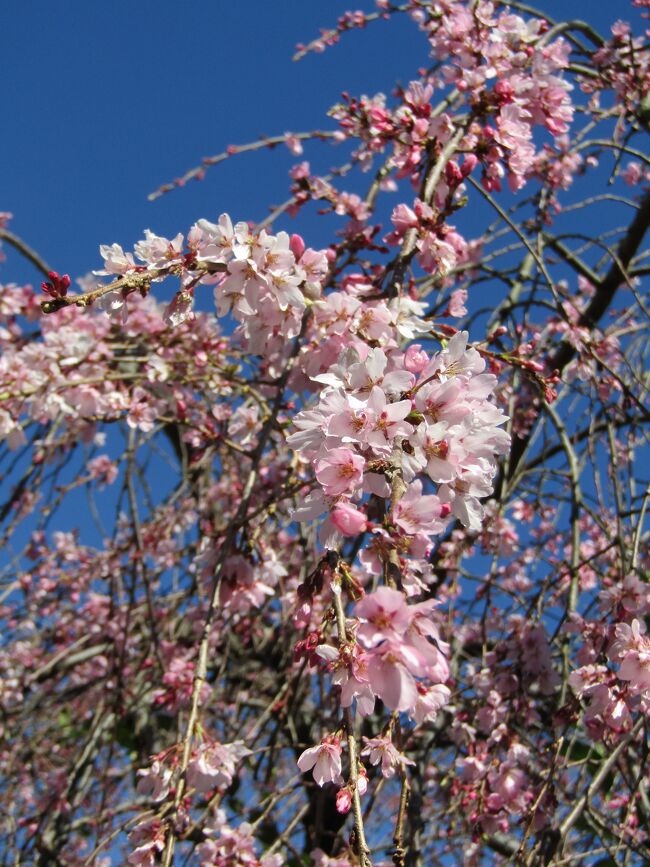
(380, 750)
(340, 471)
(325, 759)
(417, 513)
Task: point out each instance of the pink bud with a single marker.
(415, 358)
(297, 246)
(469, 164)
(348, 520)
(57, 286)
(362, 781)
(453, 174)
(343, 800)
(505, 91)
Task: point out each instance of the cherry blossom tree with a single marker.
(338, 557)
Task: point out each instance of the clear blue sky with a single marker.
(106, 100)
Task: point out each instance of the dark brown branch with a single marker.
(25, 250)
(602, 299)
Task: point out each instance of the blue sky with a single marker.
(105, 101)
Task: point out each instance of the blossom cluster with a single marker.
(502, 66)
(399, 657)
(435, 410)
(613, 694)
(263, 280)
